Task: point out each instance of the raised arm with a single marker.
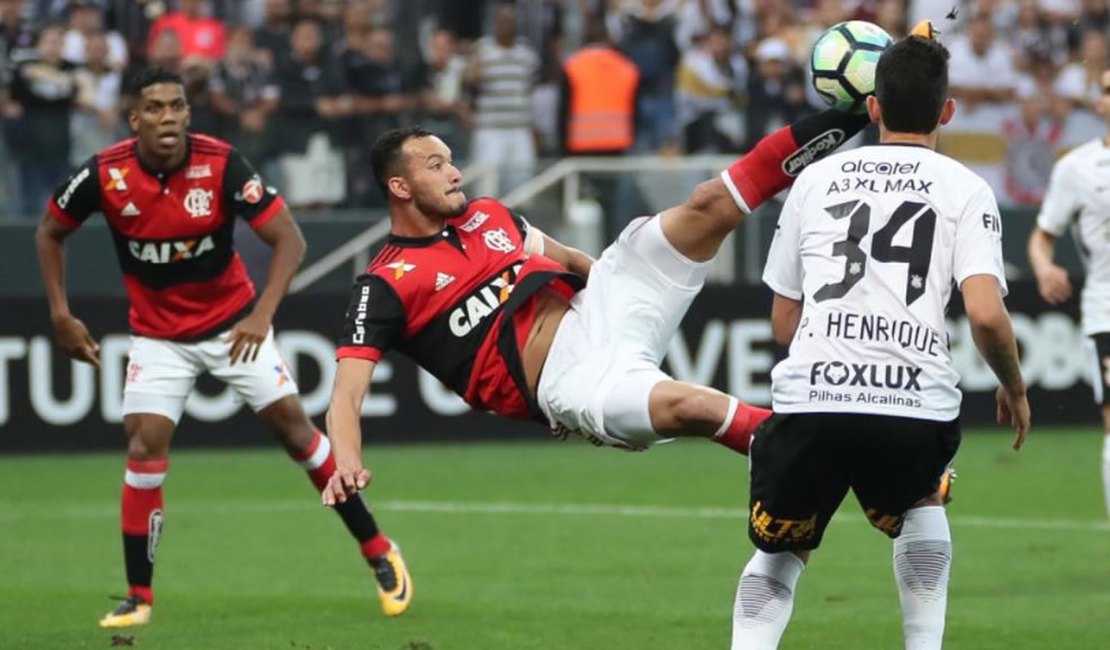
(352, 380)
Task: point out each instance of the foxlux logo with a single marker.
(810, 151)
(867, 375)
(483, 302)
(168, 252)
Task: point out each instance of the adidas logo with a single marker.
(129, 210)
(442, 280)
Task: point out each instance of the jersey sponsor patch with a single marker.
(474, 222)
(252, 191)
(63, 200)
(400, 268)
(198, 171)
(168, 252)
(116, 178)
(484, 301)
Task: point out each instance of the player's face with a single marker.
(1103, 103)
(160, 118)
(433, 179)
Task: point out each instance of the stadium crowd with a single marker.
(303, 87)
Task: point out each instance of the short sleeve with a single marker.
(374, 322)
(78, 197)
(978, 245)
(246, 195)
(531, 238)
(1061, 201)
(783, 271)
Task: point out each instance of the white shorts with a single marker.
(161, 374)
(615, 336)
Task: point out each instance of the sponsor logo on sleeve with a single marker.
(63, 201)
(252, 191)
(811, 151)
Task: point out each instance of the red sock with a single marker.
(141, 521)
(739, 425)
(377, 545)
(317, 460)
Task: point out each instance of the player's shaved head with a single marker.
(911, 84)
(387, 157)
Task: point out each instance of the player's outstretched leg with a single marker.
(141, 514)
(922, 560)
(765, 600)
(312, 450)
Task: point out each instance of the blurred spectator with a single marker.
(132, 19)
(96, 123)
(981, 70)
(384, 97)
(202, 37)
(313, 104)
(86, 20)
(272, 38)
(1031, 35)
(890, 15)
(38, 111)
(1032, 138)
(463, 18)
(697, 17)
(645, 31)
(1078, 82)
(16, 31)
(445, 106)
(712, 88)
(776, 90)
(244, 95)
(503, 71)
(598, 115)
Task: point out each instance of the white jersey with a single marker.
(1079, 197)
(871, 242)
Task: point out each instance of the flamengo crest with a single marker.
(498, 240)
(198, 203)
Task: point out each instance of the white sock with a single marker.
(764, 600)
(1106, 469)
(922, 559)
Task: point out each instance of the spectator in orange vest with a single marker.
(600, 84)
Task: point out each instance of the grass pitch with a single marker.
(539, 545)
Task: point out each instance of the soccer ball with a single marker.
(843, 63)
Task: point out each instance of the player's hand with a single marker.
(1054, 285)
(1013, 410)
(345, 482)
(74, 338)
(247, 336)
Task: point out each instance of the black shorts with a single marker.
(1101, 380)
(802, 465)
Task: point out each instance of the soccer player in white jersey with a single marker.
(868, 248)
(1077, 199)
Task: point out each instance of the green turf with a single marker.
(250, 561)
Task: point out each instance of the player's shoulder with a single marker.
(116, 153)
(1081, 154)
(206, 144)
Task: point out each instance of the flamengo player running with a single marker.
(170, 199)
(868, 246)
(483, 301)
(1077, 199)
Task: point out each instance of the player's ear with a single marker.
(874, 111)
(399, 187)
(948, 112)
(133, 118)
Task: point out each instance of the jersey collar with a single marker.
(448, 234)
(166, 173)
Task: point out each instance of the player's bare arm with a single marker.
(573, 259)
(994, 336)
(1052, 279)
(352, 379)
(72, 335)
(284, 236)
(786, 314)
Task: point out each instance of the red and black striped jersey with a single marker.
(173, 231)
(460, 304)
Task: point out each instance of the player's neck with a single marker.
(928, 140)
(155, 162)
(407, 221)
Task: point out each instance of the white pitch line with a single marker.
(10, 513)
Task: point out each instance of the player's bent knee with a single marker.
(148, 436)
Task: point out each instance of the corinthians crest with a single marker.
(198, 203)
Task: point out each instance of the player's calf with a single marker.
(681, 409)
